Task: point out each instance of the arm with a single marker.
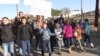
(31, 32)
(51, 34)
(18, 34)
(64, 30)
(40, 31)
(58, 33)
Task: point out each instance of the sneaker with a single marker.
(69, 50)
(92, 45)
(82, 50)
(59, 53)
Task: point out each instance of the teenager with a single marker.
(46, 38)
(78, 35)
(51, 26)
(59, 37)
(68, 35)
(24, 34)
(61, 21)
(36, 25)
(16, 24)
(7, 36)
(87, 33)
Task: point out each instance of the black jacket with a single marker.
(24, 32)
(6, 33)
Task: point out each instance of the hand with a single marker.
(95, 29)
(18, 17)
(39, 27)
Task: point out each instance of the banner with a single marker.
(39, 7)
(9, 2)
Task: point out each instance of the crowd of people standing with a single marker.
(58, 33)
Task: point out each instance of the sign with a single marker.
(39, 7)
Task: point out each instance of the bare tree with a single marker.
(66, 11)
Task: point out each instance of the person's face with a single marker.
(57, 25)
(5, 21)
(44, 26)
(41, 18)
(68, 22)
(61, 16)
(21, 15)
(24, 21)
(77, 25)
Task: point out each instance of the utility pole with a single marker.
(81, 10)
(96, 13)
(17, 9)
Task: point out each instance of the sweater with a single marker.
(58, 32)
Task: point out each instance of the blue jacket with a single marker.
(86, 28)
(46, 34)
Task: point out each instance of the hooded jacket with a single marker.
(24, 32)
(68, 31)
(6, 33)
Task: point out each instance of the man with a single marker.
(61, 21)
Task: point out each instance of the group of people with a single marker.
(48, 34)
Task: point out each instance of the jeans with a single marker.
(53, 42)
(38, 41)
(25, 47)
(60, 44)
(87, 38)
(69, 42)
(46, 44)
(8, 47)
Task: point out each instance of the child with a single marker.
(7, 36)
(24, 34)
(87, 32)
(46, 38)
(58, 31)
(68, 35)
(78, 35)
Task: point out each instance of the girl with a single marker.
(24, 34)
(78, 35)
(68, 35)
(58, 31)
(36, 26)
(7, 36)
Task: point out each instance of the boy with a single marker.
(46, 38)
(7, 37)
(87, 32)
(24, 34)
